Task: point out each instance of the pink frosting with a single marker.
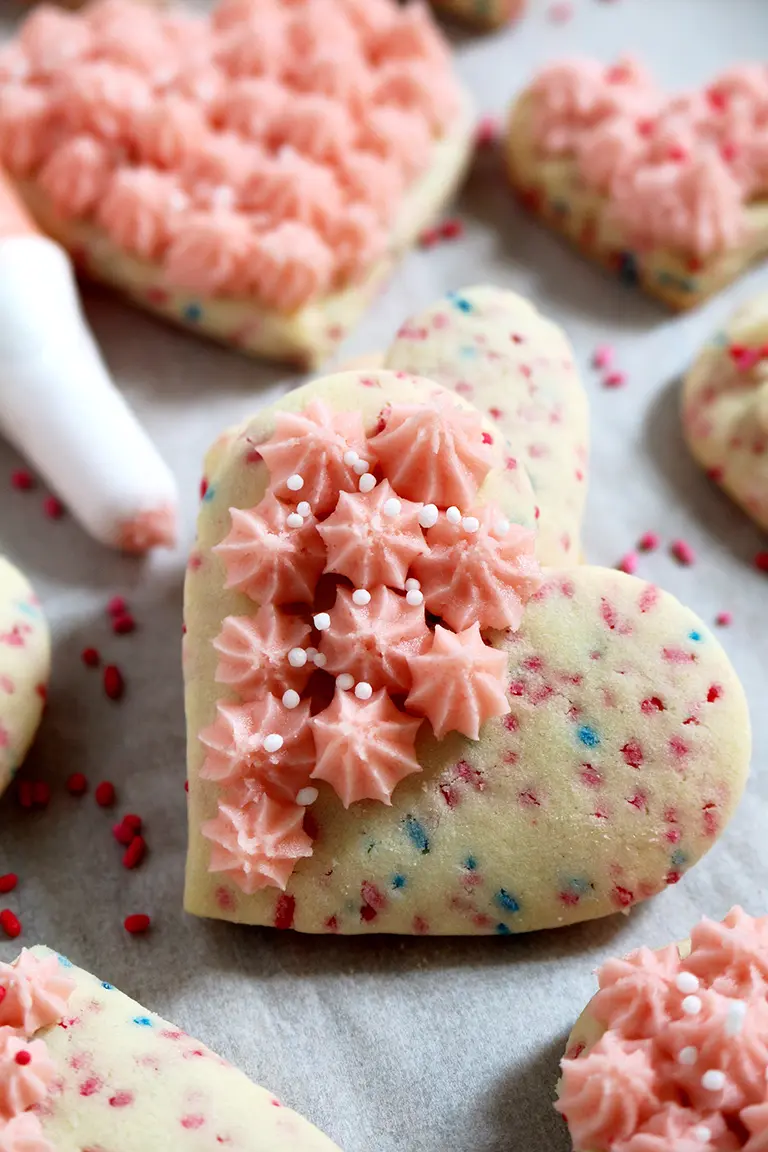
(411, 35)
(373, 642)
(310, 27)
(140, 210)
(256, 48)
(316, 126)
(236, 751)
(35, 993)
(397, 137)
(290, 266)
(168, 130)
(436, 453)
(27, 129)
(289, 186)
(312, 444)
(256, 841)
(211, 253)
(53, 40)
(367, 178)
(373, 538)
(682, 1062)
(364, 747)
(357, 241)
(219, 159)
(24, 1133)
(152, 528)
(104, 99)
(458, 682)
(485, 575)
(607, 151)
(23, 1082)
(408, 85)
(268, 559)
(253, 652)
(319, 72)
(76, 176)
(249, 106)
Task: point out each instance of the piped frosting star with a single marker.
(313, 444)
(678, 1129)
(373, 537)
(269, 559)
(256, 840)
(635, 991)
(24, 1079)
(372, 642)
(485, 575)
(434, 453)
(458, 683)
(756, 1120)
(738, 944)
(253, 652)
(24, 1133)
(33, 993)
(364, 747)
(262, 741)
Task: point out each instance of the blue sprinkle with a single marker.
(64, 962)
(210, 492)
(688, 285)
(109, 987)
(417, 834)
(720, 340)
(144, 1021)
(470, 864)
(579, 885)
(506, 900)
(588, 736)
(694, 635)
(503, 930)
(459, 302)
(27, 609)
(678, 858)
(628, 268)
(468, 352)
(192, 312)
(398, 881)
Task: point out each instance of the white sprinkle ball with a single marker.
(470, 523)
(303, 508)
(360, 466)
(688, 1056)
(713, 1080)
(363, 690)
(367, 483)
(322, 621)
(320, 660)
(687, 982)
(691, 1005)
(350, 458)
(311, 653)
(702, 1133)
(293, 520)
(297, 657)
(502, 526)
(345, 681)
(273, 742)
(453, 516)
(295, 482)
(428, 516)
(361, 597)
(307, 796)
(223, 197)
(734, 1021)
(391, 507)
(414, 597)
(412, 583)
(291, 698)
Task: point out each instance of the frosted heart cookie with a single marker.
(670, 192)
(482, 13)
(83, 1067)
(396, 721)
(252, 173)
(25, 658)
(671, 1054)
(725, 408)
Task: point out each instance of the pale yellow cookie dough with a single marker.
(25, 658)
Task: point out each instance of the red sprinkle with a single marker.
(53, 508)
(25, 793)
(122, 833)
(649, 542)
(452, 229)
(114, 685)
(614, 380)
(105, 794)
(117, 606)
(10, 924)
(628, 563)
(487, 132)
(138, 922)
(121, 625)
(723, 619)
(602, 357)
(681, 551)
(23, 480)
(8, 882)
(135, 852)
(23, 1057)
(761, 561)
(90, 657)
(77, 784)
(41, 794)
(560, 12)
(429, 237)
(134, 822)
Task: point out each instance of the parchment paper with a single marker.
(422, 1045)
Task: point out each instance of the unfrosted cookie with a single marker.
(670, 192)
(725, 408)
(85, 1068)
(670, 1055)
(482, 13)
(252, 173)
(25, 658)
(541, 748)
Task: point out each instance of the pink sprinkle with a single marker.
(602, 357)
(22, 480)
(649, 542)
(723, 619)
(681, 551)
(487, 132)
(452, 228)
(53, 508)
(560, 12)
(614, 380)
(628, 563)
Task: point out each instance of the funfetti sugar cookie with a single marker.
(670, 192)
(83, 1067)
(25, 659)
(670, 1055)
(397, 721)
(252, 173)
(482, 13)
(725, 408)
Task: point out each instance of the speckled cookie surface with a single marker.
(623, 755)
(725, 408)
(24, 667)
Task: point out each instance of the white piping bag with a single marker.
(58, 405)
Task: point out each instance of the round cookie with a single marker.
(670, 1054)
(725, 408)
(25, 659)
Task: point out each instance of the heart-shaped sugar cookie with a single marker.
(25, 661)
(725, 408)
(613, 733)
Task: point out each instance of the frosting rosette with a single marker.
(257, 841)
(35, 993)
(372, 637)
(140, 210)
(77, 175)
(254, 652)
(262, 741)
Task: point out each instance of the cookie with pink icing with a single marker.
(84, 1066)
(252, 173)
(25, 659)
(725, 408)
(483, 745)
(668, 191)
(670, 1054)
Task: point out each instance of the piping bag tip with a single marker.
(153, 528)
